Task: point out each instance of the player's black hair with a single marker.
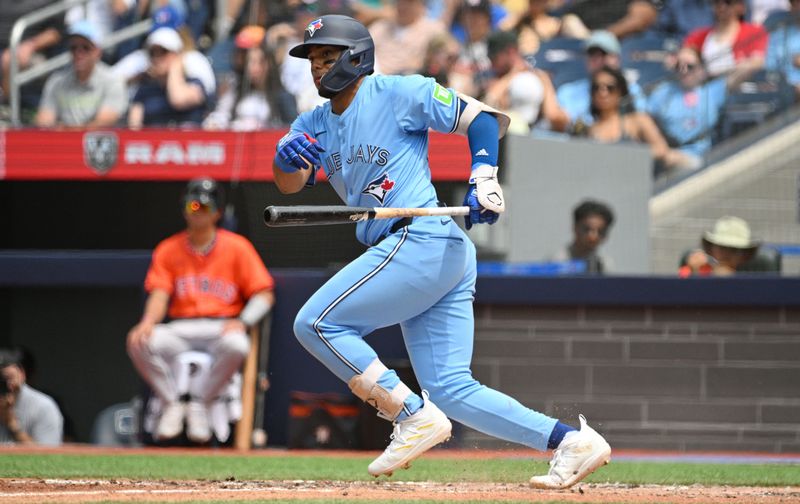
(593, 207)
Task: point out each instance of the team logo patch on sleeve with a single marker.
(442, 95)
(313, 26)
(379, 187)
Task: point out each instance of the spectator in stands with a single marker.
(475, 17)
(678, 18)
(687, 109)
(526, 94)
(724, 250)
(537, 26)
(602, 49)
(168, 95)
(27, 416)
(499, 19)
(86, 93)
(101, 13)
(213, 286)
(783, 53)
(729, 43)
(36, 40)
(621, 17)
(255, 99)
(133, 68)
(613, 125)
(440, 63)
(591, 222)
(401, 42)
(296, 72)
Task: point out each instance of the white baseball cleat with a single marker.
(170, 425)
(412, 437)
(198, 429)
(578, 455)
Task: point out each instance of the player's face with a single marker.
(590, 232)
(200, 216)
(322, 58)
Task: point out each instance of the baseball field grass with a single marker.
(353, 468)
(299, 477)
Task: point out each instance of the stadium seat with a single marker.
(562, 58)
(643, 57)
(756, 99)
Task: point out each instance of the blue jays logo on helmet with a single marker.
(313, 26)
(379, 187)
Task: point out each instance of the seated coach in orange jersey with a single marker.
(213, 285)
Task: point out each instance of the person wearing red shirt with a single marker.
(213, 285)
(730, 42)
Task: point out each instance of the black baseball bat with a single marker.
(312, 215)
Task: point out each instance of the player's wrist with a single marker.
(482, 171)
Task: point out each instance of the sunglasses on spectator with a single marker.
(84, 48)
(597, 86)
(687, 67)
(195, 206)
(157, 52)
(586, 229)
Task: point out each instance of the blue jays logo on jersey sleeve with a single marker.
(313, 26)
(378, 188)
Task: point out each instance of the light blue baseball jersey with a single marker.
(385, 165)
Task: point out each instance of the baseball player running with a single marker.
(371, 139)
(214, 285)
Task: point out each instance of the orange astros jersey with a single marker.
(214, 285)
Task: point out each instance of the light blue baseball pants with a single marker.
(422, 277)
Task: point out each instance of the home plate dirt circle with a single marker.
(19, 490)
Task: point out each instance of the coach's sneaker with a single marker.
(412, 437)
(198, 429)
(577, 456)
(170, 425)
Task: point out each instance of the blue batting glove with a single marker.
(294, 149)
(477, 213)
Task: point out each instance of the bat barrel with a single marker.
(313, 215)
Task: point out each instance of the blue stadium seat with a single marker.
(563, 58)
(643, 57)
(756, 99)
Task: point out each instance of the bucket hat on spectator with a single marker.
(166, 38)
(85, 29)
(731, 232)
(604, 40)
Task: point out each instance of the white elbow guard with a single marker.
(255, 309)
(471, 111)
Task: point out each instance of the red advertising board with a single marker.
(155, 154)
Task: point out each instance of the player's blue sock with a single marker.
(559, 431)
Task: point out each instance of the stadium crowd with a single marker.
(657, 72)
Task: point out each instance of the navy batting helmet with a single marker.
(205, 190)
(356, 60)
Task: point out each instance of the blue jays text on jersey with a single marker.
(381, 140)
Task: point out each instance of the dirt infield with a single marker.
(72, 491)
(37, 490)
